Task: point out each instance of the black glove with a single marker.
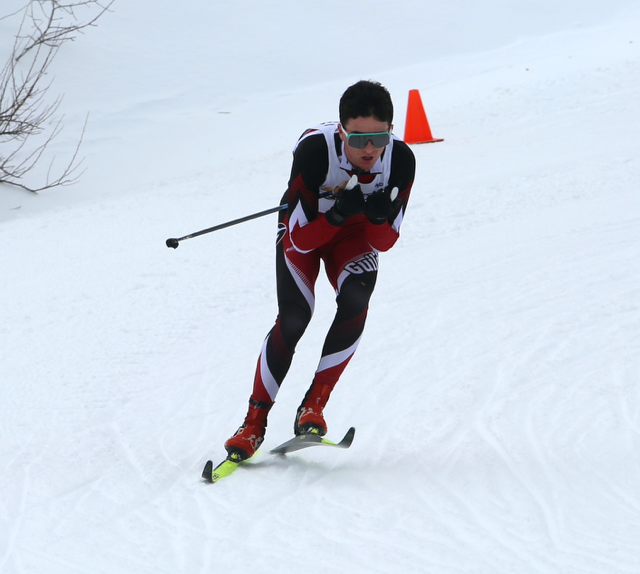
(380, 205)
(349, 202)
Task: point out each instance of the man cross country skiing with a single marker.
(345, 229)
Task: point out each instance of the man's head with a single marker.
(365, 108)
(365, 99)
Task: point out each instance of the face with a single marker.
(367, 157)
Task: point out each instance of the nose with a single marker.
(369, 148)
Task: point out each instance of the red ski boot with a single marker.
(309, 419)
(248, 438)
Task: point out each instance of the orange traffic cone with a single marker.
(416, 129)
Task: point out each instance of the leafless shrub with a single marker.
(28, 122)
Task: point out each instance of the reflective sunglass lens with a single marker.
(360, 141)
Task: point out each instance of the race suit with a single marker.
(349, 252)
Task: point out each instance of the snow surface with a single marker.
(496, 392)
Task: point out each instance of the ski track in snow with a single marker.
(506, 437)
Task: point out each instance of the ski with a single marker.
(308, 440)
(231, 463)
(225, 468)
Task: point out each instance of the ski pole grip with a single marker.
(352, 182)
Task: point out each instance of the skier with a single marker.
(343, 221)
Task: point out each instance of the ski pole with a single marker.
(173, 242)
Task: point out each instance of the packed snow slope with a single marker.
(496, 392)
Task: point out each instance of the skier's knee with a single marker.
(293, 322)
(356, 292)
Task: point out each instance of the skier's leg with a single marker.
(354, 282)
(296, 274)
(346, 330)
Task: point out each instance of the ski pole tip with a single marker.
(173, 243)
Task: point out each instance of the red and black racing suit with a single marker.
(349, 253)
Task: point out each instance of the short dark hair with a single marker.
(365, 99)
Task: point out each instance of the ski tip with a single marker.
(207, 472)
(346, 441)
(348, 438)
(225, 468)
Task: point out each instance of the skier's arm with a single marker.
(403, 166)
(308, 228)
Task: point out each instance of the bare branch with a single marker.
(26, 115)
(50, 28)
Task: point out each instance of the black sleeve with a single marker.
(403, 167)
(311, 161)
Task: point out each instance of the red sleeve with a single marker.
(381, 237)
(308, 229)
